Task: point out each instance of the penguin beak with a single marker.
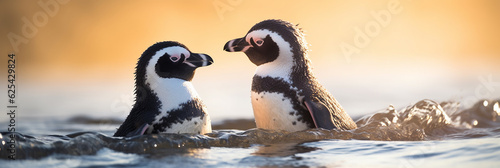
(199, 60)
(237, 45)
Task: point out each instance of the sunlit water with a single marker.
(426, 134)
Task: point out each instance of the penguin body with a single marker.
(285, 94)
(166, 101)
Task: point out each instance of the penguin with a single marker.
(285, 94)
(165, 99)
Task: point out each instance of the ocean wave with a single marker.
(425, 120)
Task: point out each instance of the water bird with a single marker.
(165, 99)
(285, 94)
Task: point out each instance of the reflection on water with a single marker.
(182, 152)
(282, 150)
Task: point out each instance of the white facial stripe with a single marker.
(258, 34)
(150, 68)
(177, 50)
(282, 66)
(204, 57)
(231, 48)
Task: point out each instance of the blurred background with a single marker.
(78, 57)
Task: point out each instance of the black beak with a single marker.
(237, 45)
(199, 60)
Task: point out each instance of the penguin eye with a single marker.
(175, 58)
(256, 42)
(259, 42)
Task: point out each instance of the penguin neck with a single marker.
(281, 68)
(287, 69)
(171, 92)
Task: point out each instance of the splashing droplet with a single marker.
(485, 103)
(474, 123)
(391, 107)
(496, 108)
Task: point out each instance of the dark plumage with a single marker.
(162, 81)
(284, 89)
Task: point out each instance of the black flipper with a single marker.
(136, 123)
(320, 114)
(139, 131)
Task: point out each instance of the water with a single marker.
(426, 134)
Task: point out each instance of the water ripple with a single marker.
(425, 120)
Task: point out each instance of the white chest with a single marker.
(272, 111)
(197, 125)
(172, 92)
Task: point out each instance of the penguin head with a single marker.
(271, 41)
(169, 59)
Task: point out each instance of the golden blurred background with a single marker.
(80, 57)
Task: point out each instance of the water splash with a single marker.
(424, 120)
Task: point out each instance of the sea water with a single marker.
(425, 134)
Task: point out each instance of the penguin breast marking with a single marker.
(172, 92)
(200, 123)
(166, 101)
(181, 109)
(275, 111)
(285, 93)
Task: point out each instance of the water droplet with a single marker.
(155, 145)
(485, 103)
(474, 123)
(496, 108)
(391, 107)
(3, 142)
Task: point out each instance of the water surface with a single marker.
(425, 134)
